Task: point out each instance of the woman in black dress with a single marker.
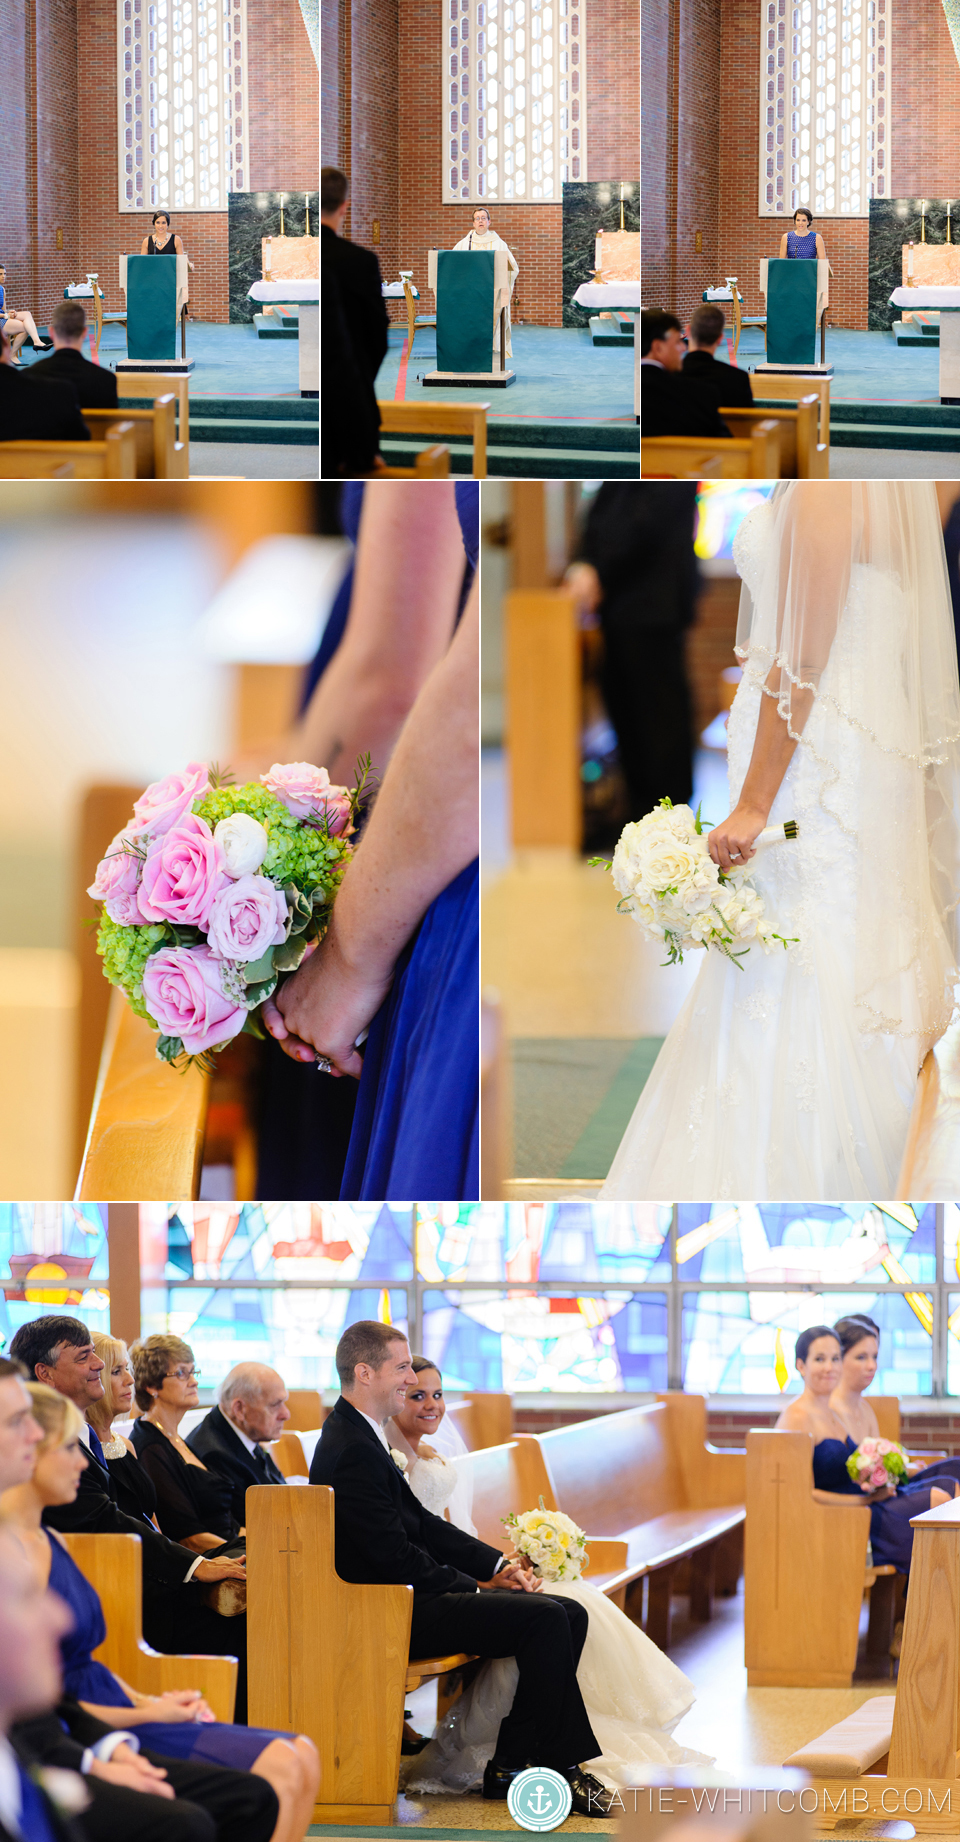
(164, 242)
(194, 1505)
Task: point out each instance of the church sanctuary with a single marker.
(278, 1457)
(487, 154)
(159, 239)
(800, 179)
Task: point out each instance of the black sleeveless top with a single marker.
(169, 248)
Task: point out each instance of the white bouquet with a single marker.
(551, 1541)
(675, 892)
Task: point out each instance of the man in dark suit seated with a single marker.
(360, 288)
(670, 402)
(130, 1793)
(253, 1409)
(466, 1595)
(729, 387)
(30, 414)
(58, 1351)
(96, 387)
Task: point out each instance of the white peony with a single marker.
(244, 843)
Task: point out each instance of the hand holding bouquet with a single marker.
(212, 893)
(553, 1543)
(675, 892)
(878, 1464)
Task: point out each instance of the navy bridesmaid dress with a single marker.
(891, 1537)
(411, 1131)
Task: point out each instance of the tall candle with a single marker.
(910, 262)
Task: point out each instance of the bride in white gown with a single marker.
(794, 1077)
(634, 1695)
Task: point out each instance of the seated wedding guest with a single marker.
(18, 325)
(670, 402)
(50, 413)
(252, 1411)
(130, 1791)
(135, 1492)
(95, 385)
(467, 1596)
(32, 1623)
(59, 1351)
(177, 1724)
(727, 384)
(819, 1360)
(194, 1504)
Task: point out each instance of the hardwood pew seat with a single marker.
(853, 1745)
(113, 458)
(690, 457)
(159, 455)
(112, 1565)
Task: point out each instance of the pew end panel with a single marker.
(796, 1635)
(112, 1564)
(332, 1657)
(147, 1121)
(289, 1456)
(483, 1419)
(713, 1476)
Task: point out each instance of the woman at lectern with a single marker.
(164, 242)
(482, 237)
(803, 241)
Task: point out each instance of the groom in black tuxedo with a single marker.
(466, 1596)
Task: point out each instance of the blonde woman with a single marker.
(178, 1724)
(135, 1492)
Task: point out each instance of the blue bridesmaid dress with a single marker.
(87, 1680)
(891, 1537)
(399, 1137)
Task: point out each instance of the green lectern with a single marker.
(472, 289)
(796, 294)
(155, 288)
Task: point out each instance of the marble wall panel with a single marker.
(589, 206)
(894, 222)
(251, 217)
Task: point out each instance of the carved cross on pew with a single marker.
(776, 1481)
(289, 1552)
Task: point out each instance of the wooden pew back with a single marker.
(147, 1120)
(288, 1454)
(615, 1471)
(801, 456)
(767, 388)
(482, 1419)
(113, 458)
(440, 419)
(711, 1477)
(506, 1479)
(112, 1564)
(803, 1573)
(152, 384)
(690, 457)
(160, 456)
(307, 1411)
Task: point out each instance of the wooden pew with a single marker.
(159, 455)
(804, 1570)
(787, 389)
(332, 1658)
(111, 1563)
(113, 458)
(153, 384)
(147, 1121)
(802, 457)
(28, 467)
(691, 457)
(288, 1454)
(619, 1476)
(482, 1419)
(306, 1410)
(440, 419)
(512, 1478)
(431, 464)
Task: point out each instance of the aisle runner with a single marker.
(573, 1097)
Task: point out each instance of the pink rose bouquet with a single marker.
(877, 1464)
(213, 893)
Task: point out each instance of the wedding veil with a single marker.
(874, 698)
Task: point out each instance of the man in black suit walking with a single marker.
(95, 385)
(466, 1595)
(29, 414)
(253, 1409)
(359, 286)
(670, 402)
(729, 387)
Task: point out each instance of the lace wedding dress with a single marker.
(633, 1694)
(792, 1075)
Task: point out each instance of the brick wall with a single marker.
(58, 147)
(920, 1432)
(332, 37)
(925, 127)
(374, 162)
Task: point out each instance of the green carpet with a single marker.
(573, 1097)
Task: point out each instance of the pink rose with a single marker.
(166, 801)
(308, 793)
(247, 917)
(183, 873)
(182, 992)
(115, 884)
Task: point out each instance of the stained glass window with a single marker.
(868, 1244)
(743, 1342)
(182, 130)
(514, 109)
(824, 106)
(53, 1261)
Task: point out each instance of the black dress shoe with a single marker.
(498, 1778)
(590, 1797)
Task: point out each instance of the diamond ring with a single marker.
(324, 1064)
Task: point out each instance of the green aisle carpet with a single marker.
(573, 1097)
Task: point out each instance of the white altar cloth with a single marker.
(947, 303)
(618, 297)
(307, 292)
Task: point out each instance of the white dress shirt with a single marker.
(378, 1429)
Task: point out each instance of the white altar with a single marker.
(617, 297)
(307, 293)
(946, 302)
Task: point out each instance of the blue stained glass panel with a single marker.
(529, 1342)
(743, 1343)
(53, 1262)
(296, 1332)
(858, 1243)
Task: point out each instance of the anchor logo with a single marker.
(539, 1798)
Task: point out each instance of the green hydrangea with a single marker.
(297, 852)
(125, 951)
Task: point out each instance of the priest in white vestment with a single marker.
(482, 237)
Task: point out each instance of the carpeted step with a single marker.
(884, 435)
(287, 421)
(272, 326)
(510, 461)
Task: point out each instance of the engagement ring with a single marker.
(324, 1064)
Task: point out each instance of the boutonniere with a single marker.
(66, 1790)
(400, 1460)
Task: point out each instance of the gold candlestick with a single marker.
(282, 231)
(923, 220)
(306, 200)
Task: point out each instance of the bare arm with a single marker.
(423, 831)
(407, 582)
(821, 251)
(773, 750)
(783, 244)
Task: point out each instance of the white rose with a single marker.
(244, 843)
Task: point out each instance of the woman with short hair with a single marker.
(194, 1505)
